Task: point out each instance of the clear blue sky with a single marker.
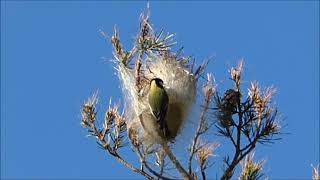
(51, 62)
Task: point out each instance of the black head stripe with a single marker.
(159, 82)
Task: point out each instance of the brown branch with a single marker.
(229, 171)
(260, 132)
(161, 161)
(115, 154)
(198, 132)
(137, 72)
(236, 77)
(161, 169)
(208, 91)
(145, 164)
(236, 159)
(240, 153)
(231, 137)
(174, 160)
(129, 166)
(203, 174)
(88, 121)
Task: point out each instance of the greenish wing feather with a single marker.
(158, 101)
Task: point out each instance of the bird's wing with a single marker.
(163, 112)
(160, 113)
(164, 107)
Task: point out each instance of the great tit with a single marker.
(158, 101)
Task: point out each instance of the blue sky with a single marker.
(51, 62)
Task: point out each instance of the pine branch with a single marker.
(256, 119)
(175, 161)
(208, 91)
(245, 121)
(88, 121)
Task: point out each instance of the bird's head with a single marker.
(157, 81)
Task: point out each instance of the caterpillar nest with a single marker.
(180, 85)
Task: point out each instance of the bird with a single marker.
(158, 100)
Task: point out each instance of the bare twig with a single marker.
(143, 39)
(174, 160)
(203, 153)
(119, 158)
(137, 72)
(208, 91)
(129, 166)
(88, 121)
(160, 161)
(145, 164)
